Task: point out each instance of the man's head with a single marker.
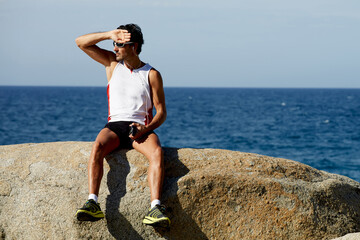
(136, 35)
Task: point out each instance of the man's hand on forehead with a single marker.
(120, 35)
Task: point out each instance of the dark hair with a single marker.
(136, 34)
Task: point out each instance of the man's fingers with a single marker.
(137, 131)
(127, 36)
(124, 36)
(121, 35)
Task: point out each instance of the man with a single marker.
(133, 89)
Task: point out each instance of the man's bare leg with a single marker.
(152, 150)
(106, 142)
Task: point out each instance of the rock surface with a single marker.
(350, 236)
(211, 193)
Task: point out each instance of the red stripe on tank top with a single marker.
(108, 96)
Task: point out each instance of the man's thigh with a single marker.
(108, 140)
(147, 145)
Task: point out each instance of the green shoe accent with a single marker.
(90, 212)
(156, 217)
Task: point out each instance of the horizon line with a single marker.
(224, 87)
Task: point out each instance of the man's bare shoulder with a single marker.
(155, 78)
(154, 73)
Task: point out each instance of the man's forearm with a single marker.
(92, 39)
(118, 35)
(158, 119)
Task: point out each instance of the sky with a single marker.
(198, 43)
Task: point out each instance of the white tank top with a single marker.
(129, 95)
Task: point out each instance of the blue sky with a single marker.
(257, 43)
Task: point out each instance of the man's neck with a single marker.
(133, 63)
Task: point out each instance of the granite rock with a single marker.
(350, 236)
(210, 194)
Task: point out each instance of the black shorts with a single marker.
(122, 130)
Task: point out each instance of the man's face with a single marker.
(123, 53)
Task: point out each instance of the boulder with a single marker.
(350, 236)
(210, 194)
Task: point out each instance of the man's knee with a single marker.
(157, 156)
(105, 143)
(98, 148)
(158, 152)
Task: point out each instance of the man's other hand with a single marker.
(141, 130)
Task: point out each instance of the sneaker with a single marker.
(156, 217)
(90, 212)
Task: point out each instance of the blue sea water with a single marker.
(318, 127)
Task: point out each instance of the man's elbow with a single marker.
(79, 42)
(163, 114)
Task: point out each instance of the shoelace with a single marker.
(162, 208)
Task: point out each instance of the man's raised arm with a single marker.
(88, 42)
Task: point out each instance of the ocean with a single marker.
(318, 127)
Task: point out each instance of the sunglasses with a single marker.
(121, 45)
